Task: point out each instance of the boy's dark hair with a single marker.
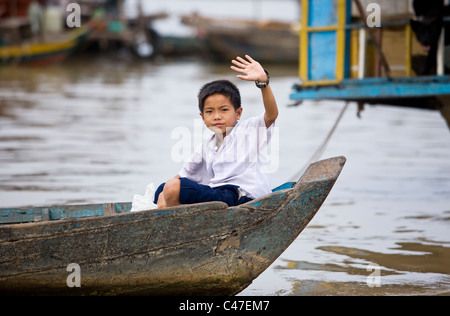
(223, 87)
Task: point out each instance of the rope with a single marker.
(319, 151)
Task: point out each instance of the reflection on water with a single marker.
(412, 259)
(98, 130)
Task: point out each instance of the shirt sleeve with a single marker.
(259, 124)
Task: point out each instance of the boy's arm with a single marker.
(253, 71)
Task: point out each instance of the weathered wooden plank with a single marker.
(36, 214)
(284, 186)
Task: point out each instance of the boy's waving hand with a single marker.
(252, 70)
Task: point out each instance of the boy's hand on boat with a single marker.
(250, 68)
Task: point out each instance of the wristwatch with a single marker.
(262, 85)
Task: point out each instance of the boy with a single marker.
(229, 165)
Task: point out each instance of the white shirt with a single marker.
(241, 160)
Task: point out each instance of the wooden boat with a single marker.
(46, 51)
(265, 41)
(200, 249)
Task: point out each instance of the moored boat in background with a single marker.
(48, 50)
(266, 41)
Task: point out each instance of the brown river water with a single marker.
(94, 130)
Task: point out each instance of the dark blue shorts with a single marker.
(191, 192)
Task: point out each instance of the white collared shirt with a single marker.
(241, 160)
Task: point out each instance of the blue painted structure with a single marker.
(372, 89)
(325, 72)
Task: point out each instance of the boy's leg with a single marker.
(192, 192)
(182, 190)
(171, 193)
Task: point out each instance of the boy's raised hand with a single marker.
(250, 68)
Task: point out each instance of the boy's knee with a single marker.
(172, 189)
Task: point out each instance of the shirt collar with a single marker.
(213, 138)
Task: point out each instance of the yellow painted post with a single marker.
(304, 41)
(340, 62)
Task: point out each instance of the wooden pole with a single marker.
(408, 62)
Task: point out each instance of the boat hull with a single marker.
(265, 41)
(202, 249)
(269, 47)
(45, 52)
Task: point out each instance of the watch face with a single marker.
(261, 84)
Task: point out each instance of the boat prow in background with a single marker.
(199, 249)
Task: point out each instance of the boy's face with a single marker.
(219, 113)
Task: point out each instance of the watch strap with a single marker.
(262, 85)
